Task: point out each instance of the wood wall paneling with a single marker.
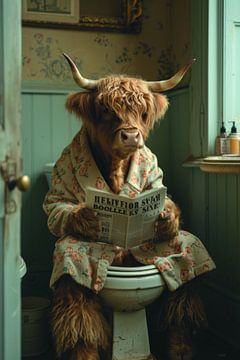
(46, 130)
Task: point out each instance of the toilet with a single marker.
(127, 291)
(48, 168)
(22, 267)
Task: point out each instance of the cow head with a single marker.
(117, 111)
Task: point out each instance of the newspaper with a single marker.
(124, 221)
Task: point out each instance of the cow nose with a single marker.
(130, 137)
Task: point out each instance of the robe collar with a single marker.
(89, 175)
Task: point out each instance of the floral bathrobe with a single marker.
(178, 261)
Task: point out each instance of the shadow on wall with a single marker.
(46, 129)
(38, 242)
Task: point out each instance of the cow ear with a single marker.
(82, 104)
(161, 103)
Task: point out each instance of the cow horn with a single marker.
(84, 83)
(164, 85)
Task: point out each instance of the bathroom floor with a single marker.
(208, 348)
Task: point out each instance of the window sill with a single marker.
(226, 164)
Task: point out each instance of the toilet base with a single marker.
(130, 336)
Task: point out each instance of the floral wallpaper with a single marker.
(156, 53)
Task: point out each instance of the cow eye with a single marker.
(144, 116)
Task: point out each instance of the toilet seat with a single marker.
(139, 277)
(22, 267)
(144, 270)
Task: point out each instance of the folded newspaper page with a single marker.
(124, 221)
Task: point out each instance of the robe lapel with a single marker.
(88, 174)
(84, 165)
(138, 174)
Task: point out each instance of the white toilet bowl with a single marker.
(127, 291)
(22, 267)
(48, 168)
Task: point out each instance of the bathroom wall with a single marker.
(209, 202)
(155, 53)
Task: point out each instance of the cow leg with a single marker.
(181, 314)
(186, 314)
(179, 344)
(79, 327)
(81, 352)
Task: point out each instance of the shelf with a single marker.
(227, 164)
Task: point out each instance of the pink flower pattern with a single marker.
(100, 183)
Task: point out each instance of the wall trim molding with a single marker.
(42, 87)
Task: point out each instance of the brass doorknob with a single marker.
(22, 183)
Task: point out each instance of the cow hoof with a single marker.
(180, 345)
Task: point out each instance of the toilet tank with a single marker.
(48, 168)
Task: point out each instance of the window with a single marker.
(216, 74)
(207, 79)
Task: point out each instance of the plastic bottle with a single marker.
(221, 141)
(233, 140)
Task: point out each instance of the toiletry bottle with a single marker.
(233, 140)
(221, 141)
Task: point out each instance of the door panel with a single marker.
(10, 201)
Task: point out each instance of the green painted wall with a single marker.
(46, 130)
(211, 210)
(214, 198)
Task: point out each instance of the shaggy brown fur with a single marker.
(119, 109)
(175, 318)
(169, 222)
(182, 308)
(180, 345)
(182, 313)
(83, 221)
(81, 352)
(119, 104)
(77, 321)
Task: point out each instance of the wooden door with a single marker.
(10, 201)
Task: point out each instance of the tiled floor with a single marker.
(208, 348)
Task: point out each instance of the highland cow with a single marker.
(109, 153)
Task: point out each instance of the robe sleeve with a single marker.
(64, 195)
(85, 262)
